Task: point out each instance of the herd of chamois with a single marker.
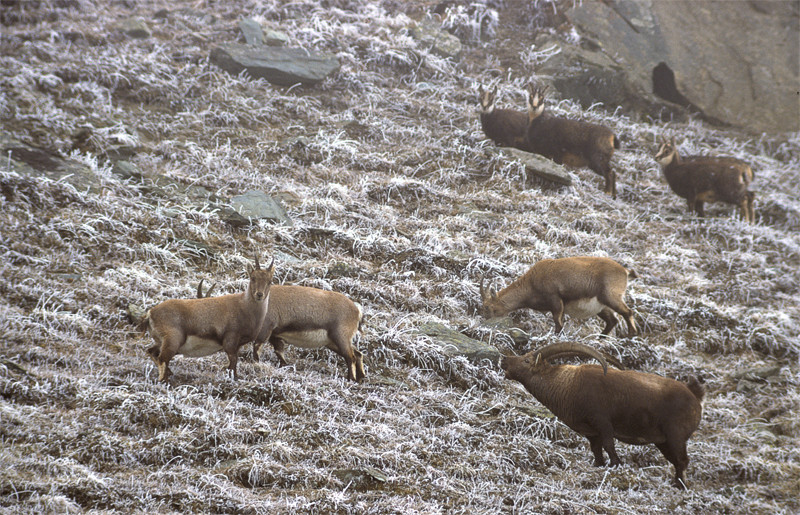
(599, 403)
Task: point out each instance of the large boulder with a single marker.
(281, 66)
(736, 62)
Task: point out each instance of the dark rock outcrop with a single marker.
(454, 343)
(736, 62)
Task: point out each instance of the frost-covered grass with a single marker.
(397, 201)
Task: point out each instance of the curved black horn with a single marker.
(575, 349)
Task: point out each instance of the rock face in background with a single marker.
(736, 62)
(281, 66)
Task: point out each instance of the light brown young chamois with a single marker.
(581, 287)
(570, 142)
(701, 179)
(200, 327)
(603, 404)
(506, 127)
(311, 318)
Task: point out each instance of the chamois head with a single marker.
(519, 368)
(492, 305)
(260, 280)
(535, 100)
(666, 152)
(487, 99)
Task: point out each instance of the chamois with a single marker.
(506, 127)
(200, 327)
(701, 179)
(603, 404)
(310, 318)
(570, 142)
(581, 287)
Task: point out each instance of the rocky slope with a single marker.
(393, 197)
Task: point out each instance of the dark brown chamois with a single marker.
(701, 179)
(581, 287)
(200, 327)
(506, 127)
(570, 142)
(603, 404)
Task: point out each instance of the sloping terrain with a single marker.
(398, 201)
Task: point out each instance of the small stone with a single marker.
(135, 28)
(126, 170)
(275, 38)
(252, 31)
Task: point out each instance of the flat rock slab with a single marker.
(281, 66)
(540, 166)
(454, 343)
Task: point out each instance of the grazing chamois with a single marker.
(603, 404)
(310, 318)
(506, 127)
(570, 142)
(200, 327)
(581, 287)
(701, 179)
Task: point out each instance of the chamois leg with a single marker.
(279, 345)
(170, 343)
(750, 209)
(557, 308)
(596, 444)
(746, 207)
(341, 345)
(606, 438)
(600, 163)
(609, 318)
(360, 374)
(675, 452)
(698, 208)
(230, 344)
(616, 303)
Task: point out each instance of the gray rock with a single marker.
(252, 31)
(428, 34)
(135, 28)
(362, 478)
(126, 170)
(540, 166)
(259, 205)
(275, 38)
(454, 343)
(282, 66)
(35, 162)
(756, 373)
(693, 53)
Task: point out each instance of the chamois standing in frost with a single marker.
(570, 142)
(581, 287)
(603, 404)
(310, 318)
(506, 127)
(200, 327)
(701, 179)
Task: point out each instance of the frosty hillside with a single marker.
(121, 159)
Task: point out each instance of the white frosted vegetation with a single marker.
(398, 202)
